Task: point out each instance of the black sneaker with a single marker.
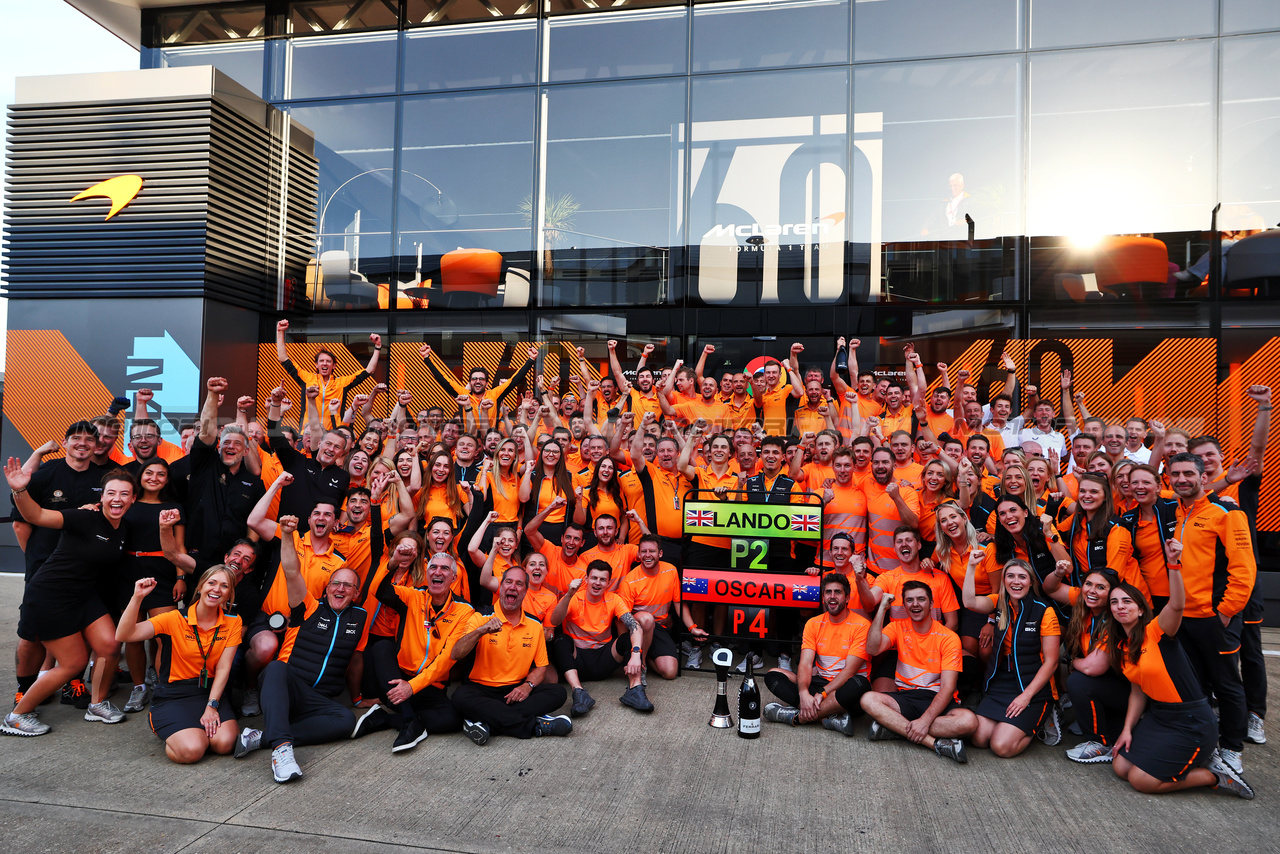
(582, 702)
(553, 725)
(477, 731)
(637, 699)
(373, 720)
(951, 748)
(412, 733)
(76, 693)
(879, 732)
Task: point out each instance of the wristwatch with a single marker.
(213, 704)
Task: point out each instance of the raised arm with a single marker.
(1068, 408)
(295, 584)
(376, 339)
(876, 642)
(972, 601)
(258, 521)
(793, 370)
(209, 412)
(473, 547)
(702, 363)
(1170, 615)
(31, 512)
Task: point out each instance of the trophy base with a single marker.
(721, 721)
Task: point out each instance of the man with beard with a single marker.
(331, 387)
(619, 556)
(221, 489)
(316, 479)
(299, 689)
(641, 397)
(431, 623)
(889, 504)
(651, 592)
(705, 406)
(479, 385)
(505, 691)
(587, 649)
(832, 675)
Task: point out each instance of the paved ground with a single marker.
(620, 783)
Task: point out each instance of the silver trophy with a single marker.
(720, 717)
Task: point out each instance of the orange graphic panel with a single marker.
(38, 411)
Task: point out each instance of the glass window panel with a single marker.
(1061, 23)
(1121, 140)
(568, 7)
(333, 16)
(443, 11)
(1250, 189)
(470, 56)
(769, 34)
(767, 208)
(891, 29)
(192, 26)
(1242, 16)
(242, 62)
(336, 66)
(466, 187)
(642, 43)
(613, 163)
(354, 142)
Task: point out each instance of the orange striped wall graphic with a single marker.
(36, 358)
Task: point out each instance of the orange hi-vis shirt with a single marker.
(845, 513)
(180, 657)
(620, 558)
(832, 643)
(653, 593)
(1218, 566)
(882, 518)
(1163, 672)
(911, 473)
(316, 569)
(922, 658)
(773, 406)
(590, 624)
(507, 656)
(944, 595)
(428, 636)
(560, 572)
(539, 602)
(715, 413)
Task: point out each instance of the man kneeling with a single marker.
(923, 708)
(587, 650)
(834, 671)
(299, 688)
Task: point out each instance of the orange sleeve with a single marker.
(949, 650)
(1242, 570)
(1049, 625)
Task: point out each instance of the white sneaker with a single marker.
(1257, 729)
(250, 740)
(1089, 753)
(137, 698)
(250, 706)
(693, 658)
(283, 765)
(1232, 759)
(784, 662)
(24, 725)
(756, 661)
(103, 712)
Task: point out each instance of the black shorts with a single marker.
(1000, 692)
(596, 664)
(971, 623)
(48, 618)
(181, 707)
(885, 665)
(1173, 738)
(914, 702)
(662, 644)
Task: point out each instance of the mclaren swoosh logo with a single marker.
(120, 190)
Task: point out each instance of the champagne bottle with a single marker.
(842, 363)
(749, 703)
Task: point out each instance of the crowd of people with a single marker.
(989, 573)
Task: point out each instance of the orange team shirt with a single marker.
(716, 414)
(653, 593)
(707, 481)
(882, 519)
(620, 558)
(773, 404)
(546, 492)
(425, 654)
(815, 474)
(507, 506)
(944, 595)
(437, 503)
(832, 644)
(1210, 533)
(869, 407)
(605, 506)
(590, 624)
(383, 621)
(939, 422)
(309, 606)
(890, 423)
(642, 403)
(669, 488)
(330, 390)
(807, 419)
(911, 473)
(845, 513)
(539, 602)
(1095, 623)
(1163, 671)
(507, 656)
(989, 567)
(316, 569)
(922, 658)
(357, 547)
(178, 632)
(739, 414)
(1049, 626)
(560, 573)
(271, 469)
(1151, 562)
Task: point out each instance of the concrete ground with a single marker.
(621, 783)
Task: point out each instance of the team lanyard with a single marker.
(204, 668)
(429, 620)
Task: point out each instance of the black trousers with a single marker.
(487, 704)
(1100, 703)
(1253, 664)
(592, 665)
(295, 712)
(1214, 652)
(848, 695)
(380, 667)
(433, 710)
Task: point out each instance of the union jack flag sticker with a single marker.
(702, 518)
(804, 522)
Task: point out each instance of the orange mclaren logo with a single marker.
(120, 190)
